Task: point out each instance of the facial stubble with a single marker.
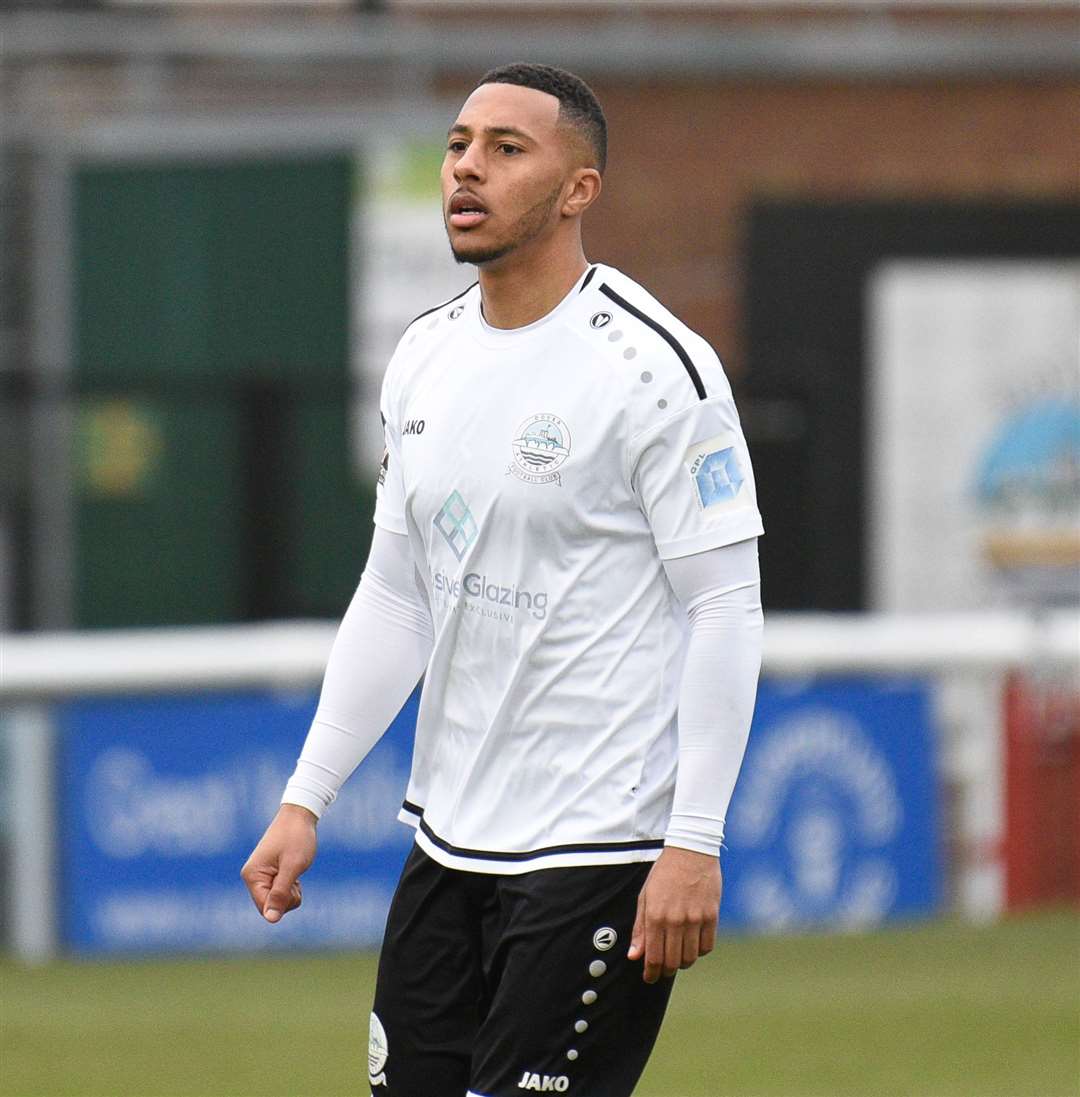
(528, 226)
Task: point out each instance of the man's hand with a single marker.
(676, 912)
(272, 872)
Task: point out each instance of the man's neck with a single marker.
(522, 292)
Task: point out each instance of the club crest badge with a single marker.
(378, 1052)
(541, 446)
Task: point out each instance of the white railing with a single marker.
(51, 665)
(967, 654)
(75, 664)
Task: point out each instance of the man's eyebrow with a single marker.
(494, 131)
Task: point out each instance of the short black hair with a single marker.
(577, 104)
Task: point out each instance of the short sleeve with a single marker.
(390, 487)
(694, 481)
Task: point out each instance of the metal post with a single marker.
(33, 831)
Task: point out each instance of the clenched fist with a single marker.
(272, 872)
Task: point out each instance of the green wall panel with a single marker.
(211, 358)
(344, 531)
(159, 544)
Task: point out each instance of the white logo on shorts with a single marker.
(604, 938)
(544, 1083)
(378, 1051)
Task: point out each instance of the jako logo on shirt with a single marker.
(544, 1083)
(414, 426)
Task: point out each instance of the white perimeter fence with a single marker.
(967, 656)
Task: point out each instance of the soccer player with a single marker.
(565, 549)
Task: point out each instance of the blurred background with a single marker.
(215, 221)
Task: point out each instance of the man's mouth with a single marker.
(466, 211)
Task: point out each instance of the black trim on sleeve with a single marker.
(588, 278)
(435, 308)
(531, 854)
(664, 334)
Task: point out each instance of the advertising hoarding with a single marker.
(834, 821)
(163, 798)
(975, 439)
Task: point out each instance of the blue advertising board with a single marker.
(834, 821)
(163, 798)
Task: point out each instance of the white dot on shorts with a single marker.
(630, 352)
(597, 968)
(646, 377)
(589, 997)
(571, 1055)
(614, 336)
(581, 1026)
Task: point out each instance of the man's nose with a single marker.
(470, 164)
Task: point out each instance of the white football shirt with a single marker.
(542, 474)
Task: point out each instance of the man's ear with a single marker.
(584, 190)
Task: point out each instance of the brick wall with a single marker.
(687, 160)
(688, 157)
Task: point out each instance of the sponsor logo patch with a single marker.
(456, 523)
(604, 938)
(476, 593)
(714, 467)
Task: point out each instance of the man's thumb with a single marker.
(637, 937)
(278, 901)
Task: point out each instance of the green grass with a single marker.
(935, 1011)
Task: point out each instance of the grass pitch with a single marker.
(937, 1010)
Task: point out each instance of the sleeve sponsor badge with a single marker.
(714, 467)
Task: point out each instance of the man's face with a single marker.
(506, 163)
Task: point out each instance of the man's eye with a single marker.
(509, 150)
(456, 146)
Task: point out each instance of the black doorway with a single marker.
(803, 402)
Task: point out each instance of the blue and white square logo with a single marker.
(719, 478)
(714, 467)
(456, 523)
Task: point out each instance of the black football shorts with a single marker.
(502, 986)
